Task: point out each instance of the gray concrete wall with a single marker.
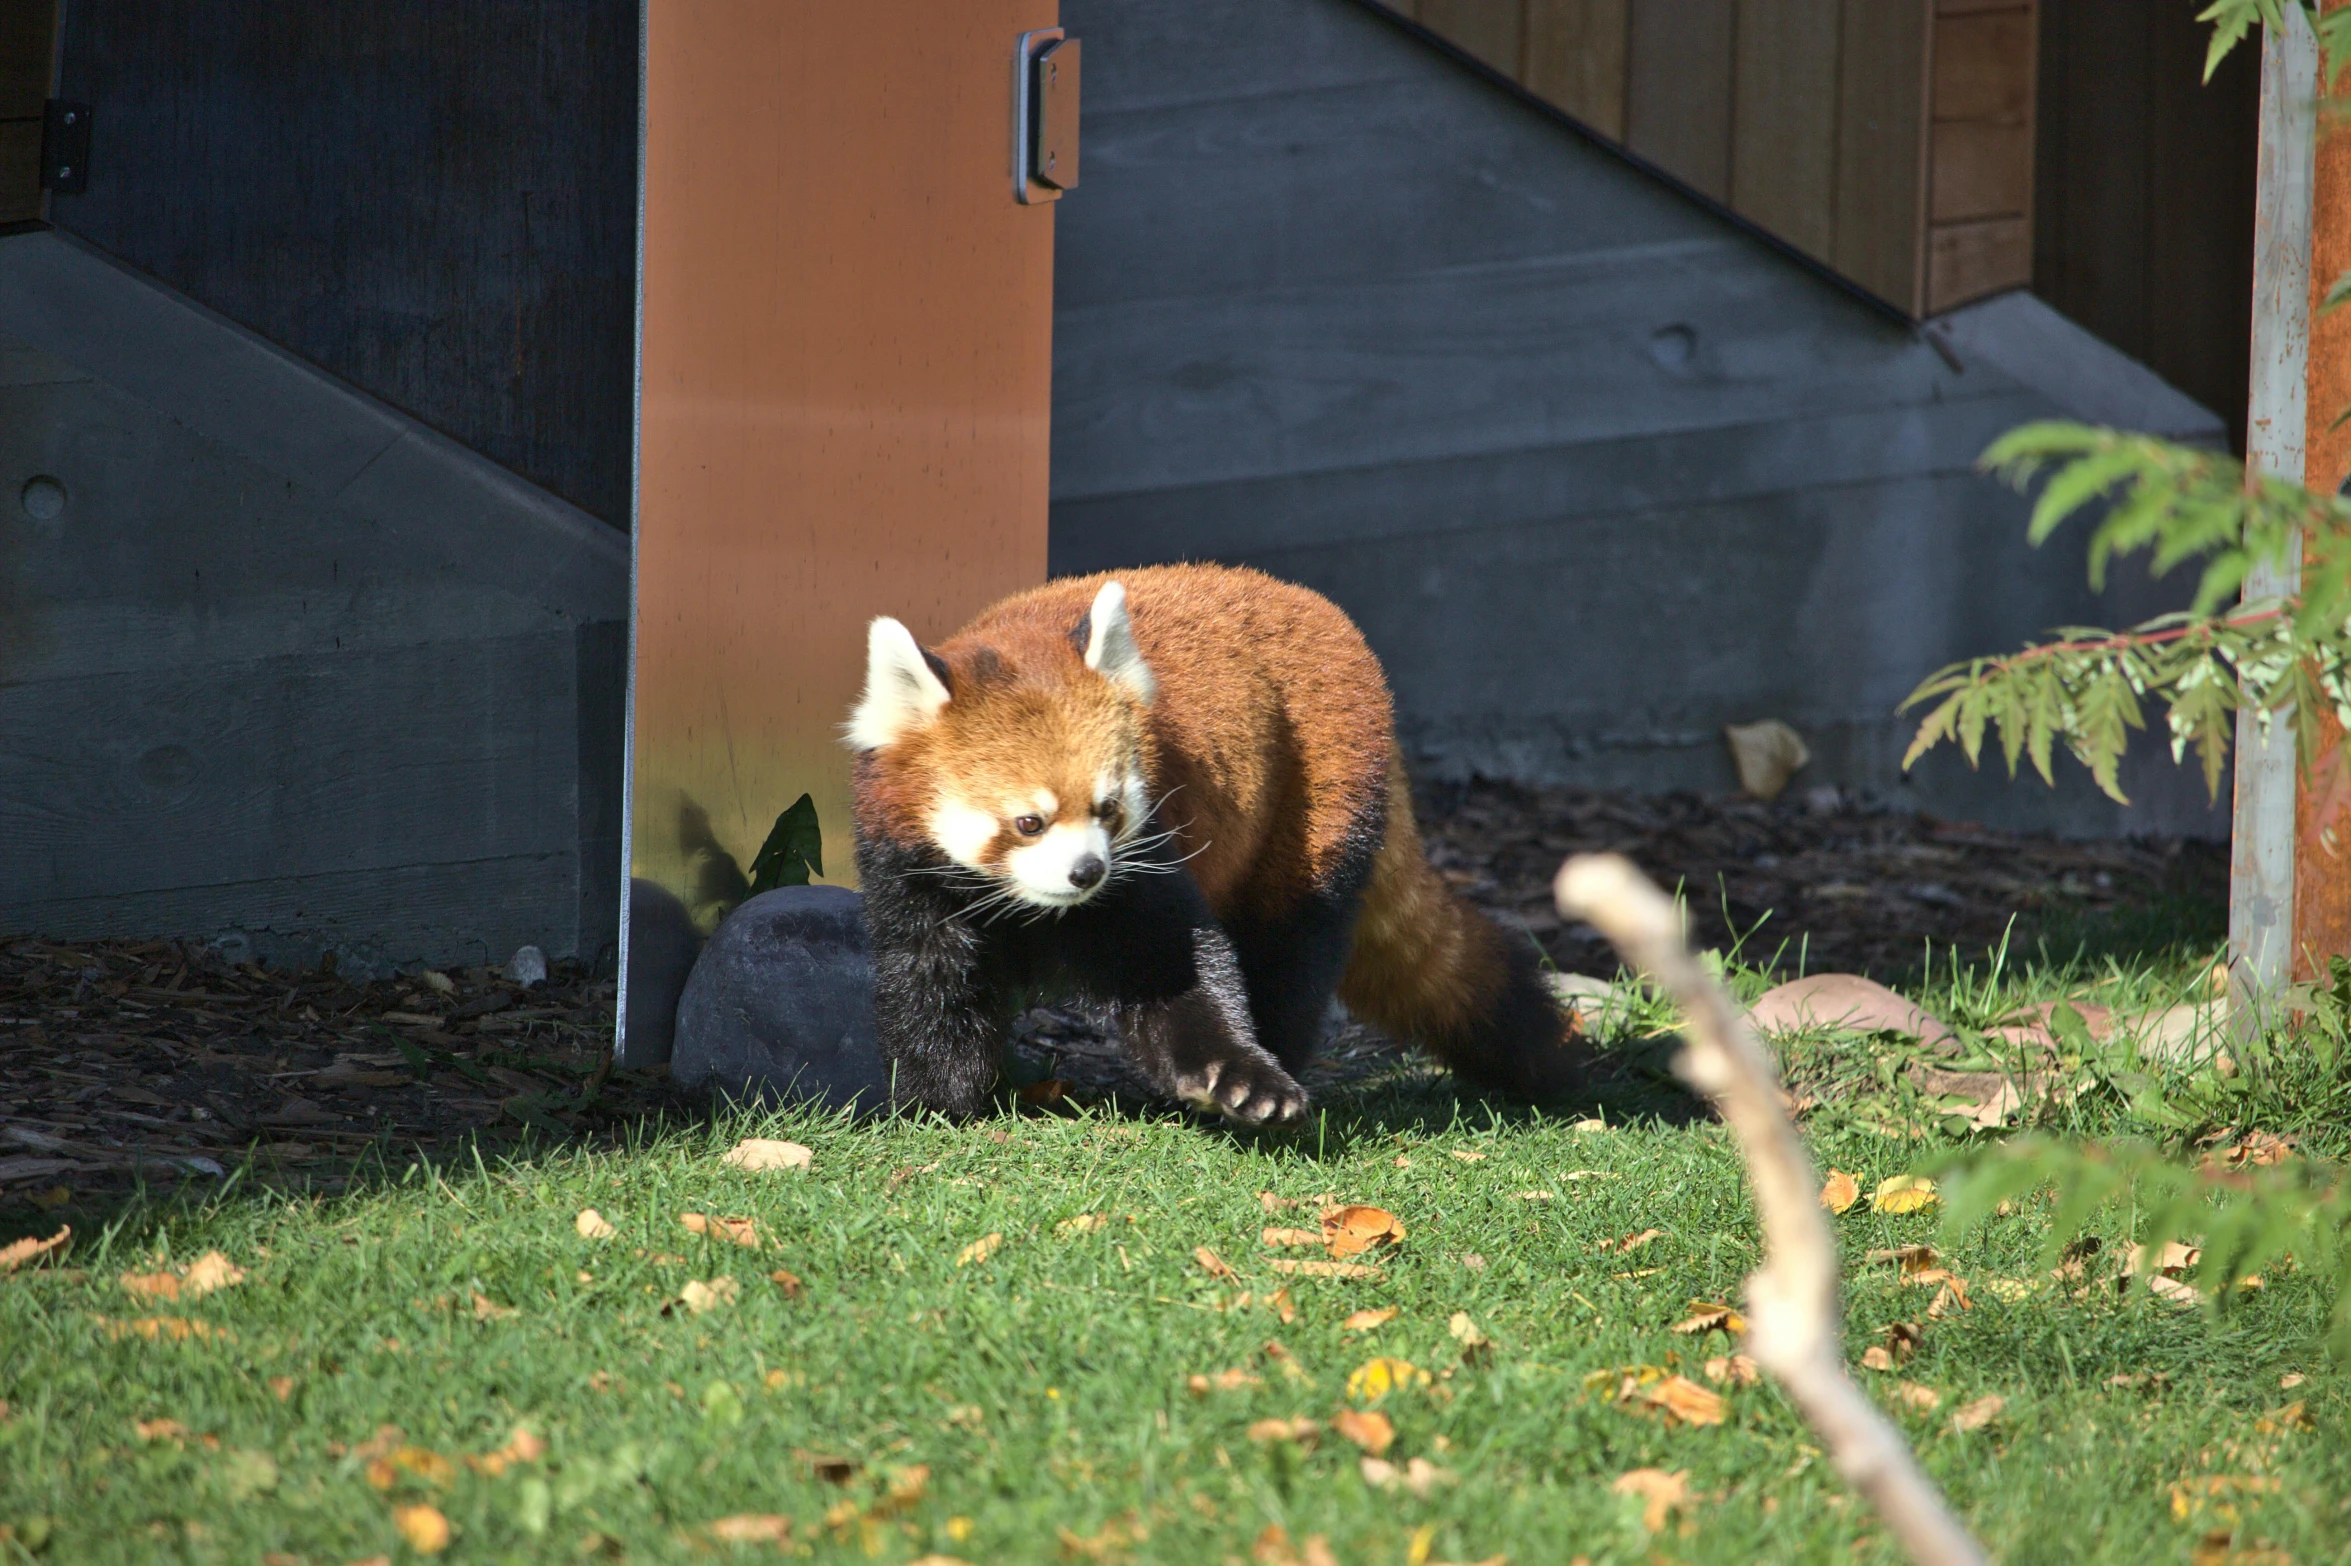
(1596, 470)
(287, 668)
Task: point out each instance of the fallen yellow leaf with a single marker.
(1661, 1493)
(16, 1253)
(488, 1309)
(1214, 1265)
(425, 1529)
(1476, 1347)
(593, 1225)
(1280, 1303)
(1351, 1230)
(760, 1153)
(751, 1528)
(978, 1250)
(2218, 1493)
(1538, 1196)
(159, 1429)
(701, 1298)
(1981, 1412)
(179, 1329)
(1712, 1316)
(1367, 1428)
(740, 1230)
(1468, 1157)
(1840, 1191)
(208, 1272)
(1366, 1320)
(1277, 1236)
(1876, 1357)
(1925, 1399)
(1904, 1194)
(1376, 1378)
(1083, 1223)
(787, 1280)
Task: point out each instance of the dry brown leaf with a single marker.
(18, 1253)
(423, 1527)
(1904, 1194)
(1376, 1378)
(1278, 1204)
(742, 1231)
(1083, 1223)
(1234, 1380)
(2294, 1416)
(2290, 1380)
(1420, 1476)
(1875, 1357)
(1632, 1242)
(786, 1280)
(488, 1309)
(1214, 1265)
(593, 1225)
(751, 1528)
(1840, 1191)
(1476, 1347)
(1301, 1431)
(1910, 1258)
(1738, 1370)
(1588, 1126)
(1712, 1316)
(159, 1429)
(701, 1298)
(151, 1285)
(208, 1272)
(1366, 1320)
(1538, 1196)
(1323, 1269)
(1981, 1412)
(1678, 1398)
(2219, 1493)
(1367, 1428)
(757, 1153)
(1925, 1399)
(2171, 1289)
(1950, 1299)
(1351, 1230)
(2174, 1258)
(178, 1329)
(1662, 1494)
(978, 1250)
(1277, 1236)
(1468, 1157)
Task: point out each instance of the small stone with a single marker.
(528, 966)
(780, 1003)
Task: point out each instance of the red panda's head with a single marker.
(1022, 758)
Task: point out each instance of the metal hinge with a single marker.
(1044, 115)
(65, 147)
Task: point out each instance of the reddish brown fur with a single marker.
(1270, 738)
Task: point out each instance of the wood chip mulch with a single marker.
(156, 1062)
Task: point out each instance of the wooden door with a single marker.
(845, 392)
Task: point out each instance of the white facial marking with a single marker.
(1110, 644)
(902, 693)
(962, 832)
(1040, 868)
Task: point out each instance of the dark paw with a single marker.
(1256, 1093)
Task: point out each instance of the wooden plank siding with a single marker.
(1890, 139)
(28, 44)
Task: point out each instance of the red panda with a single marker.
(1174, 793)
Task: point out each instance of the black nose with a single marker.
(1088, 872)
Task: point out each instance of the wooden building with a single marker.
(1612, 416)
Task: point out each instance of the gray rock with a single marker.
(528, 966)
(781, 1003)
(662, 946)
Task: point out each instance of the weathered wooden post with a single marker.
(2290, 872)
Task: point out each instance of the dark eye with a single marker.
(1029, 826)
(1108, 810)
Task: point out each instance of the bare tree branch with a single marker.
(1793, 1313)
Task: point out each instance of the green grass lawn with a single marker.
(1045, 1386)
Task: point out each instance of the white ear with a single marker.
(1110, 644)
(902, 691)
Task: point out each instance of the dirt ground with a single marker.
(155, 1062)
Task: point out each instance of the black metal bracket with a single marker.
(65, 147)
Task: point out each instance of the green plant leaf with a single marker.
(793, 852)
